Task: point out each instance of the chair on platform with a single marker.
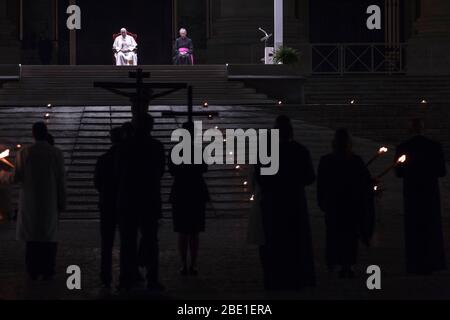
(115, 35)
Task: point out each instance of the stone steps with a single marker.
(377, 89)
(82, 134)
(73, 86)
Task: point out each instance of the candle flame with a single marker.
(4, 154)
(252, 198)
(383, 150)
(402, 159)
(375, 188)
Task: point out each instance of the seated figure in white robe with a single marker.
(124, 47)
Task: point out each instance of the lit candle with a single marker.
(379, 153)
(402, 159)
(4, 154)
(205, 105)
(47, 116)
(252, 198)
(3, 157)
(49, 105)
(245, 183)
(280, 103)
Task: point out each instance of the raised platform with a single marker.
(73, 85)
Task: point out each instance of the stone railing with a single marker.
(354, 58)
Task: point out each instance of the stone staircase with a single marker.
(82, 133)
(73, 86)
(372, 89)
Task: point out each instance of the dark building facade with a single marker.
(224, 31)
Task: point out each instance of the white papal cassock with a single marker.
(124, 48)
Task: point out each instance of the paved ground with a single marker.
(229, 267)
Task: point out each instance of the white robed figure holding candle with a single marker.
(39, 169)
(125, 46)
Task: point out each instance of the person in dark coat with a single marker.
(183, 49)
(343, 187)
(106, 186)
(189, 196)
(140, 164)
(287, 255)
(425, 164)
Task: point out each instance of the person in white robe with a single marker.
(40, 172)
(124, 47)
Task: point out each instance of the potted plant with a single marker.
(286, 55)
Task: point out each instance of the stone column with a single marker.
(9, 43)
(235, 37)
(428, 50)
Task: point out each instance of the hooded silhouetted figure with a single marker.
(139, 168)
(188, 196)
(343, 187)
(287, 255)
(106, 186)
(425, 163)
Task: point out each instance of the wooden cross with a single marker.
(140, 99)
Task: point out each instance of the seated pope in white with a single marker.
(124, 47)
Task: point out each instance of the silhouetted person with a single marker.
(50, 139)
(189, 196)
(139, 168)
(425, 164)
(287, 256)
(106, 186)
(40, 171)
(343, 187)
